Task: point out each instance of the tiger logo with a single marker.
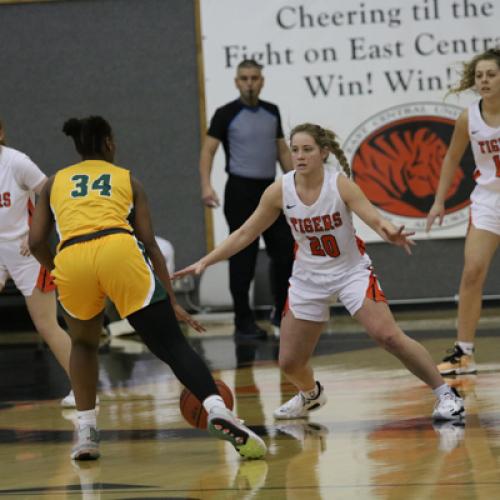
(397, 161)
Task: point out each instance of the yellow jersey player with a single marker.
(101, 255)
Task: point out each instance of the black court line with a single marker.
(70, 489)
(18, 436)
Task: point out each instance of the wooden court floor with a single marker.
(373, 440)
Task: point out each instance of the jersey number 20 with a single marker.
(326, 245)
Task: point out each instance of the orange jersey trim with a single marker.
(374, 292)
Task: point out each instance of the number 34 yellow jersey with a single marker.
(90, 196)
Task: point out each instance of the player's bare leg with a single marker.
(297, 343)
(42, 307)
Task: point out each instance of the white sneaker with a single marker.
(223, 424)
(87, 444)
(70, 402)
(300, 406)
(450, 406)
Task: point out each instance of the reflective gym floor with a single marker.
(373, 440)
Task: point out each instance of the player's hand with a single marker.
(182, 315)
(436, 211)
(210, 198)
(24, 248)
(398, 237)
(197, 268)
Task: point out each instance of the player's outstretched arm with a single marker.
(458, 144)
(265, 214)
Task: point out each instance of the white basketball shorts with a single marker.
(310, 295)
(485, 210)
(24, 271)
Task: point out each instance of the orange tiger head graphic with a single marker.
(398, 166)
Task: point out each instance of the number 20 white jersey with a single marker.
(485, 143)
(324, 232)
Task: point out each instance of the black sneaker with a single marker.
(250, 332)
(457, 363)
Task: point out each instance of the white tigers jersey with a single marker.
(326, 240)
(485, 143)
(19, 176)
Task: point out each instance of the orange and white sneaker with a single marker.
(449, 406)
(457, 363)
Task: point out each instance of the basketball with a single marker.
(192, 409)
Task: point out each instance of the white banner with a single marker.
(375, 71)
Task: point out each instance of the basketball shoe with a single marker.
(300, 406)
(450, 406)
(87, 444)
(223, 424)
(457, 363)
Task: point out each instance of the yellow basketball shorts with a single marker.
(114, 266)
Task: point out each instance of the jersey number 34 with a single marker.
(81, 185)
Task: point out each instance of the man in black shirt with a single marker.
(251, 134)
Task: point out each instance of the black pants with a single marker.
(241, 198)
(160, 331)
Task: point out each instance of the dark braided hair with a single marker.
(324, 138)
(89, 134)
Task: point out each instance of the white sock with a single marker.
(86, 418)
(214, 401)
(442, 390)
(313, 393)
(467, 347)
